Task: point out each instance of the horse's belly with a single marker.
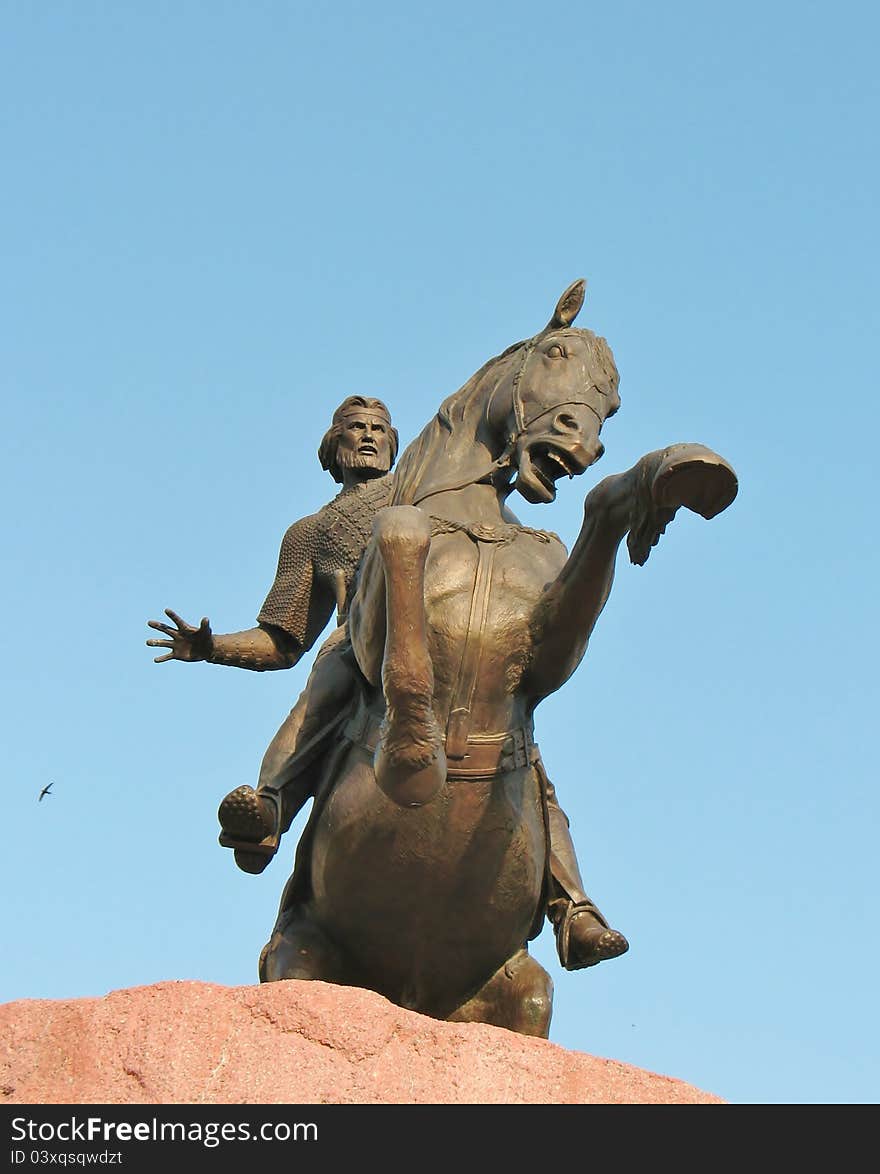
(433, 899)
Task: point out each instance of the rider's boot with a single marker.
(583, 936)
(254, 820)
(688, 475)
(251, 822)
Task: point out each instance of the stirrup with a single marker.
(597, 944)
(245, 829)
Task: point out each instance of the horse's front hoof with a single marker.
(695, 477)
(688, 475)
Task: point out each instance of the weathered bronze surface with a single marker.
(435, 843)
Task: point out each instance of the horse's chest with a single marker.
(487, 591)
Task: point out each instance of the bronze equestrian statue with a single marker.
(426, 864)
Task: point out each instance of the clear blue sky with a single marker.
(218, 220)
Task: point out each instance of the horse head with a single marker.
(551, 399)
(528, 416)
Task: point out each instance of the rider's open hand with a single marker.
(186, 642)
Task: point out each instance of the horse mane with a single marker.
(418, 457)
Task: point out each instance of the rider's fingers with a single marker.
(160, 659)
(205, 625)
(157, 626)
(160, 644)
(172, 615)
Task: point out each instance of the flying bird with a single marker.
(45, 791)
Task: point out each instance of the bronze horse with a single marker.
(422, 870)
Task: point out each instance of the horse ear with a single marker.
(569, 304)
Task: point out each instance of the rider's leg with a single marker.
(286, 780)
(583, 936)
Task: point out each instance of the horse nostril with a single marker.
(567, 423)
(600, 450)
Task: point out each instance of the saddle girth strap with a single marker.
(459, 723)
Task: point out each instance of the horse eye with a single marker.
(555, 351)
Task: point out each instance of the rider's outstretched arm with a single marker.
(260, 649)
(295, 612)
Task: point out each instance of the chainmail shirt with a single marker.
(313, 553)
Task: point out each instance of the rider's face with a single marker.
(364, 446)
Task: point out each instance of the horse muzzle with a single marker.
(546, 459)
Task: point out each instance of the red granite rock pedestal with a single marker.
(292, 1043)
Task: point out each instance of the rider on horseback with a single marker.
(316, 571)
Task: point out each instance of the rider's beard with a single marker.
(366, 464)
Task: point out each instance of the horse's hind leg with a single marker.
(518, 996)
(300, 949)
(410, 761)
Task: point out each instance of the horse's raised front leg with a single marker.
(639, 503)
(388, 621)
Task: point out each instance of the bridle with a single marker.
(521, 425)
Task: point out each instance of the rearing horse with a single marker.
(427, 845)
